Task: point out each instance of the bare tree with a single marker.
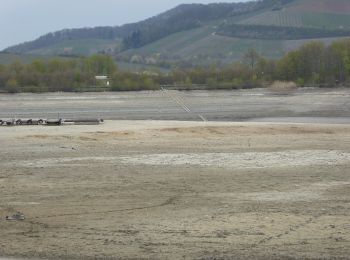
(251, 58)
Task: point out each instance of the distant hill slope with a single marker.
(272, 31)
(79, 47)
(329, 14)
(321, 6)
(198, 34)
(181, 18)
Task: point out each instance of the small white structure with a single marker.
(103, 78)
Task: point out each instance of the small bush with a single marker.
(283, 87)
(35, 89)
(12, 86)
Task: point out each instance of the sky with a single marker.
(26, 20)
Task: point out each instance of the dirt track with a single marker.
(170, 190)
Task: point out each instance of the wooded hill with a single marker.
(183, 17)
(197, 34)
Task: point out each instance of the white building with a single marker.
(103, 78)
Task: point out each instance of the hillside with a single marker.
(78, 47)
(271, 31)
(198, 34)
(328, 14)
(181, 18)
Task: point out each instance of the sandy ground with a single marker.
(172, 190)
(306, 105)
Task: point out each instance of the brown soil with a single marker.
(170, 190)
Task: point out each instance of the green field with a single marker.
(291, 19)
(277, 18)
(78, 47)
(326, 20)
(8, 58)
(305, 13)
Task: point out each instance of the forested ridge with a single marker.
(314, 64)
(192, 35)
(134, 35)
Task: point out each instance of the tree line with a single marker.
(313, 64)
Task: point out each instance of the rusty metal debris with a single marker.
(16, 217)
(50, 122)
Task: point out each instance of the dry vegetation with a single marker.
(283, 87)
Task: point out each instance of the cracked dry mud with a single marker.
(171, 190)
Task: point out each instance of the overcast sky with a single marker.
(25, 20)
